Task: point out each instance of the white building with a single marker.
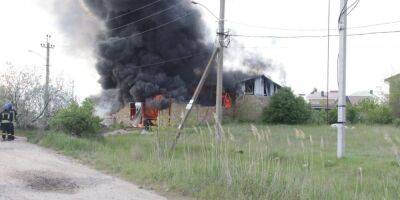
(259, 86)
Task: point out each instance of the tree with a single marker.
(286, 108)
(24, 90)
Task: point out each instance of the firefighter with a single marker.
(7, 117)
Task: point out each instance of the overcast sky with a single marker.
(371, 59)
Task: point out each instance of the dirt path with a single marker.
(29, 172)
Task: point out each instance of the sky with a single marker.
(371, 59)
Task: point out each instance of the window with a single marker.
(267, 87)
(249, 87)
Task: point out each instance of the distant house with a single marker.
(358, 97)
(394, 93)
(254, 96)
(259, 86)
(319, 99)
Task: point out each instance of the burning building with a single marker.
(152, 53)
(245, 102)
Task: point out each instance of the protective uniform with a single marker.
(7, 122)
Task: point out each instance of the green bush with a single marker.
(374, 113)
(286, 108)
(368, 112)
(77, 120)
(352, 115)
(380, 115)
(333, 116)
(318, 117)
(396, 122)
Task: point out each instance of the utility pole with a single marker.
(194, 98)
(47, 46)
(220, 69)
(328, 61)
(342, 79)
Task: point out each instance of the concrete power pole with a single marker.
(220, 69)
(47, 46)
(328, 61)
(342, 79)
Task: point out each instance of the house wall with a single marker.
(259, 87)
(250, 108)
(394, 95)
(271, 89)
(246, 108)
(200, 115)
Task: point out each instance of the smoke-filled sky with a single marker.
(370, 58)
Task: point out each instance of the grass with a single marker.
(253, 162)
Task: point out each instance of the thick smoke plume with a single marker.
(146, 48)
(150, 47)
(77, 23)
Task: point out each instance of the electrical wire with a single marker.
(279, 37)
(374, 33)
(313, 30)
(312, 36)
(345, 10)
(205, 7)
(354, 7)
(174, 59)
(378, 24)
(147, 17)
(132, 11)
(168, 61)
(274, 28)
(160, 26)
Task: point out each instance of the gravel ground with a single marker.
(29, 172)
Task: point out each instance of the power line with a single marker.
(273, 28)
(168, 61)
(378, 24)
(158, 27)
(205, 7)
(279, 37)
(132, 11)
(374, 33)
(312, 30)
(355, 4)
(147, 17)
(312, 36)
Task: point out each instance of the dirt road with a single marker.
(29, 172)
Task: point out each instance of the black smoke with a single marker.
(161, 54)
(145, 48)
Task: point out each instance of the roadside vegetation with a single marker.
(77, 119)
(253, 162)
(286, 108)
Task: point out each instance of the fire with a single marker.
(144, 115)
(151, 113)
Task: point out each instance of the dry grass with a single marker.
(252, 162)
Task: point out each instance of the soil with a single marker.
(29, 172)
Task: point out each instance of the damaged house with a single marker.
(245, 102)
(154, 68)
(259, 86)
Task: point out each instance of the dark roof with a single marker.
(392, 77)
(258, 76)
